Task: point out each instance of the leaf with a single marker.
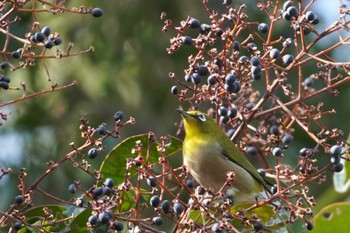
(78, 225)
(332, 218)
(341, 180)
(114, 165)
(264, 212)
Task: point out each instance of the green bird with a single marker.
(209, 155)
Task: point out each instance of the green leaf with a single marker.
(78, 225)
(114, 165)
(341, 180)
(36, 216)
(264, 212)
(332, 218)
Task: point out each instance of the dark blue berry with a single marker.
(230, 78)
(109, 182)
(286, 5)
(251, 47)
(309, 225)
(154, 201)
(218, 32)
(243, 59)
(287, 139)
(293, 11)
(249, 106)
(104, 217)
(236, 46)
(97, 192)
(97, 12)
(306, 152)
(16, 54)
(46, 31)
(316, 20)
(286, 16)
(49, 44)
(118, 226)
(335, 159)
(196, 78)
(118, 116)
(277, 152)
(275, 130)
(178, 208)
(174, 90)
(101, 130)
(258, 226)
(39, 36)
(72, 188)
(4, 85)
(189, 183)
(310, 16)
(57, 41)
(288, 58)
(335, 150)
(106, 191)
(187, 40)
(255, 61)
(230, 132)
(222, 111)
(5, 79)
(93, 219)
(251, 150)
(263, 28)
(194, 23)
(232, 112)
(157, 221)
(262, 172)
(224, 119)
(165, 205)
(188, 77)
(216, 228)
(309, 82)
(204, 28)
(338, 167)
(19, 199)
(228, 2)
(203, 70)
(4, 65)
(274, 189)
(92, 153)
(211, 80)
(274, 53)
(17, 226)
(151, 181)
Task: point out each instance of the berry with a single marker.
(194, 23)
(106, 191)
(174, 90)
(287, 139)
(157, 221)
(249, 106)
(263, 28)
(338, 167)
(222, 111)
(118, 226)
(335, 159)
(216, 228)
(97, 192)
(39, 36)
(203, 70)
(151, 181)
(187, 40)
(211, 80)
(93, 219)
(262, 172)
(109, 182)
(309, 225)
(275, 130)
(218, 62)
(92, 153)
(286, 5)
(204, 28)
(310, 16)
(288, 58)
(196, 78)
(243, 59)
(232, 112)
(57, 41)
(118, 116)
(251, 47)
(293, 11)
(286, 16)
(4, 85)
(316, 20)
(218, 32)
(255, 61)
(178, 208)
(335, 150)
(309, 82)
(274, 189)
(154, 201)
(5, 79)
(97, 12)
(256, 71)
(17, 226)
(101, 130)
(72, 188)
(306, 152)
(16, 54)
(49, 44)
(258, 226)
(277, 152)
(236, 46)
(274, 53)
(227, 2)
(46, 31)
(230, 132)
(188, 77)
(19, 199)
(80, 202)
(104, 217)
(165, 205)
(189, 183)
(4, 65)
(230, 78)
(251, 150)
(224, 119)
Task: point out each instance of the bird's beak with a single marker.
(183, 113)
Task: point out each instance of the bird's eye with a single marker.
(201, 117)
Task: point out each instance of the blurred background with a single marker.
(128, 71)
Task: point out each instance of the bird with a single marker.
(208, 155)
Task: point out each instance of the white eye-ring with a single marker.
(202, 117)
